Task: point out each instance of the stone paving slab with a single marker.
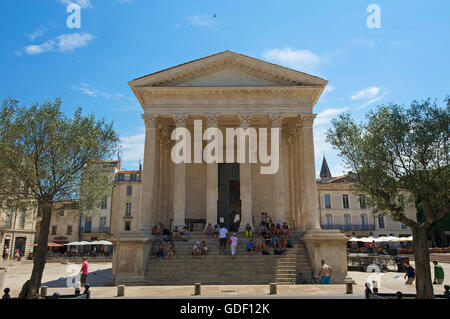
(100, 278)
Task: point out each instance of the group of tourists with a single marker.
(410, 274)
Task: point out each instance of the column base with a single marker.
(331, 246)
(130, 258)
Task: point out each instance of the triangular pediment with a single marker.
(227, 69)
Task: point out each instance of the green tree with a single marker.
(44, 158)
(401, 150)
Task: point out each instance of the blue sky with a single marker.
(119, 40)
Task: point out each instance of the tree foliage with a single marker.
(401, 150)
(45, 159)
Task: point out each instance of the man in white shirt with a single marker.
(234, 242)
(223, 235)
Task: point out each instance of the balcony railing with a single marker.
(349, 227)
(98, 230)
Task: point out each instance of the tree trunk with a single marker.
(424, 285)
(40, 254)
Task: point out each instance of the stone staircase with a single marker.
(220, 269)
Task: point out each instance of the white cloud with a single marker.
(72, 41)
(204, 20)
(132, 147)
(371, 94)
(374, 100)
(63, 43)
(297, 59)
(81, 3)
(36, 34)
(328, 89)
(325, 117)
(84, 88)
(367, 93)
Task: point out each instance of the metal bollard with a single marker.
(349, 288)
(44, 291)
(198, 289)
(121, 291)
(2, 278)
(273, 289)
(77, 288)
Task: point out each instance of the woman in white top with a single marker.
(234, 242)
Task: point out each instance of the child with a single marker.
(248, 231)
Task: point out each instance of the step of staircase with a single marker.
(220, 268)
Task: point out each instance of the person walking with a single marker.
(84, 271)
(438, 273)
(233, 242)
(325, 273)
(410, 273)
(223, 235)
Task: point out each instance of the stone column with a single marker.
(292, 181)
(212, 180)
(165, 143)
(145, 218)
(278, 177)
(309, 173)
(179, 187)
(245, 171)
(157, 178)
(301, 213)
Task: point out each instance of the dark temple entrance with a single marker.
(229, 203)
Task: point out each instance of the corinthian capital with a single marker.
(180, 119)
(244, 118)
(308, 120)
(275, 119)
(150, 120)
(212, 119)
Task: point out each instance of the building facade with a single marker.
(340, 207)
(225, 91)
(64, 225)
(17, 231)
(95, 223)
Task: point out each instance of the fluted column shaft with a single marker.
(309, 173)
(146, 218)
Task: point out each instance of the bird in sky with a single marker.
(214, 15)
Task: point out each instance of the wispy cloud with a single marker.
(63, 43)
(133, 147)
(367, 93)
(370, 94)
(297, 59)
(36, 33)
(81, 3)
(325, 117)
(203, 20)
(86, 89)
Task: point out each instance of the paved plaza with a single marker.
(100, 278)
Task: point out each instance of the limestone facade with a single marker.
(225, 90)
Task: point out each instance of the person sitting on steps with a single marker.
(185, 234)
(204, 248)
(176, 234)
(196, 249)
(209, 230)
(248, 231)
(251, 247)
(160, 253)
(171, 251)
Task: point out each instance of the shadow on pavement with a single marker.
(98, 278)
